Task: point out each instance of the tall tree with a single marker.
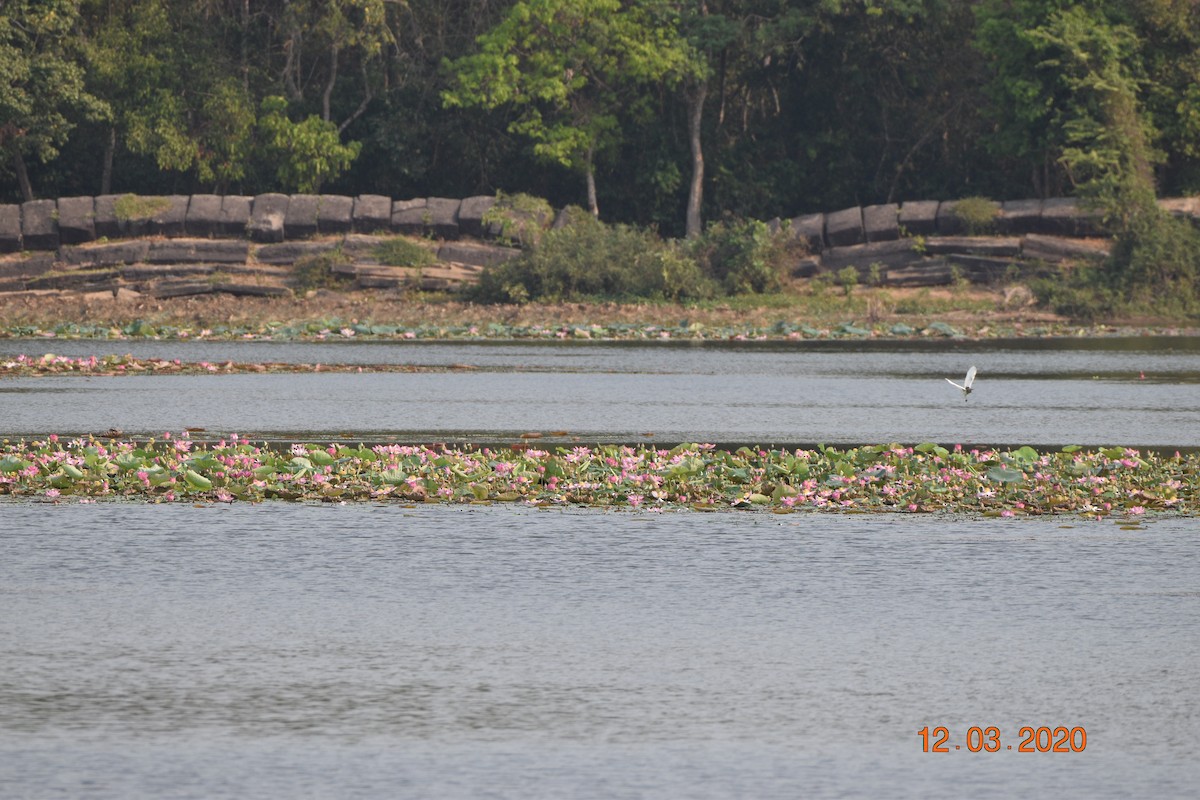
(568, 67)
(42, 83)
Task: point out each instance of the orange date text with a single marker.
(988, 739)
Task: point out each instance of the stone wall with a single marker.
(212, 240)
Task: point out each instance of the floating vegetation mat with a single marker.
(49, 364)
(340, 330)
(924, 478)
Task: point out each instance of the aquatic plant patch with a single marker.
(925, 478)
(334, 329)
(114, 365)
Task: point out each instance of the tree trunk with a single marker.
(106, 174)
(22, 174)
(593, 205)
(695, 201)
(333, 70)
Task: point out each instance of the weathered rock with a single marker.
(335, 214)
(470, 215)
(291, 252)
(204, 216)
(39, 225)
(1188, 207)
(185, 251)
(235, 215)
(479, 255)
(919, 218)
(993, 246)
(251, 289)
(980, 269)
(1019, 217)
(10, 228)
(562, 219)
(882, 223)
(805, 267)
(933, 272)
(26, 265)
(810, 229)
(443, 216)
(300, 221)
(889, 255)
(267, 215)
(410, 216)
(1066, 216)
(171, 220)
(145, 272)
(277, 272)
(949, 223)
(76, 219)
(107, 254)
(361, 245)
(1037, 247)
(107, 226)
(845, 227)
(90, 280)
(179, 288)
(372, 213)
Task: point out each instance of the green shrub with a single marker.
(978, 214)
(1078, 295)
(132, 206)
(588, 259)
(1155, 263)
(400, 252)
(316, 272)
(847, 278)
(742, 256)
(518, 219)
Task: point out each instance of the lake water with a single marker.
(379, 651)
(1135, 391)
(362, 651)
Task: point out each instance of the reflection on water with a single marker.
(284, 650)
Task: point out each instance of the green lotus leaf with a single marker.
(321, 458)
(128, 461)
(196, 480)
(394, 476)
(1005, 475)
(12, 464)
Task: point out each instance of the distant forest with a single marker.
(663, 114)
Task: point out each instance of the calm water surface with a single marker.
(282, 650)
(1140, 392)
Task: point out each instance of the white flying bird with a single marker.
(965, 387)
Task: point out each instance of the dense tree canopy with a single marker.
(673, 111)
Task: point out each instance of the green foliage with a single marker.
(743, 256)
(1155, 264)
(306, 153)
(847, 278)
(401, 252)
(518, 219)
(588, 259)
(568, 67)
(978, 214)
(133, 207)
(42, 84)
(316, 271)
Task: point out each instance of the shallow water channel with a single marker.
(288, 650)
(1135, 391)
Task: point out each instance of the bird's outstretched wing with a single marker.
(970, 378)
(955, 385)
